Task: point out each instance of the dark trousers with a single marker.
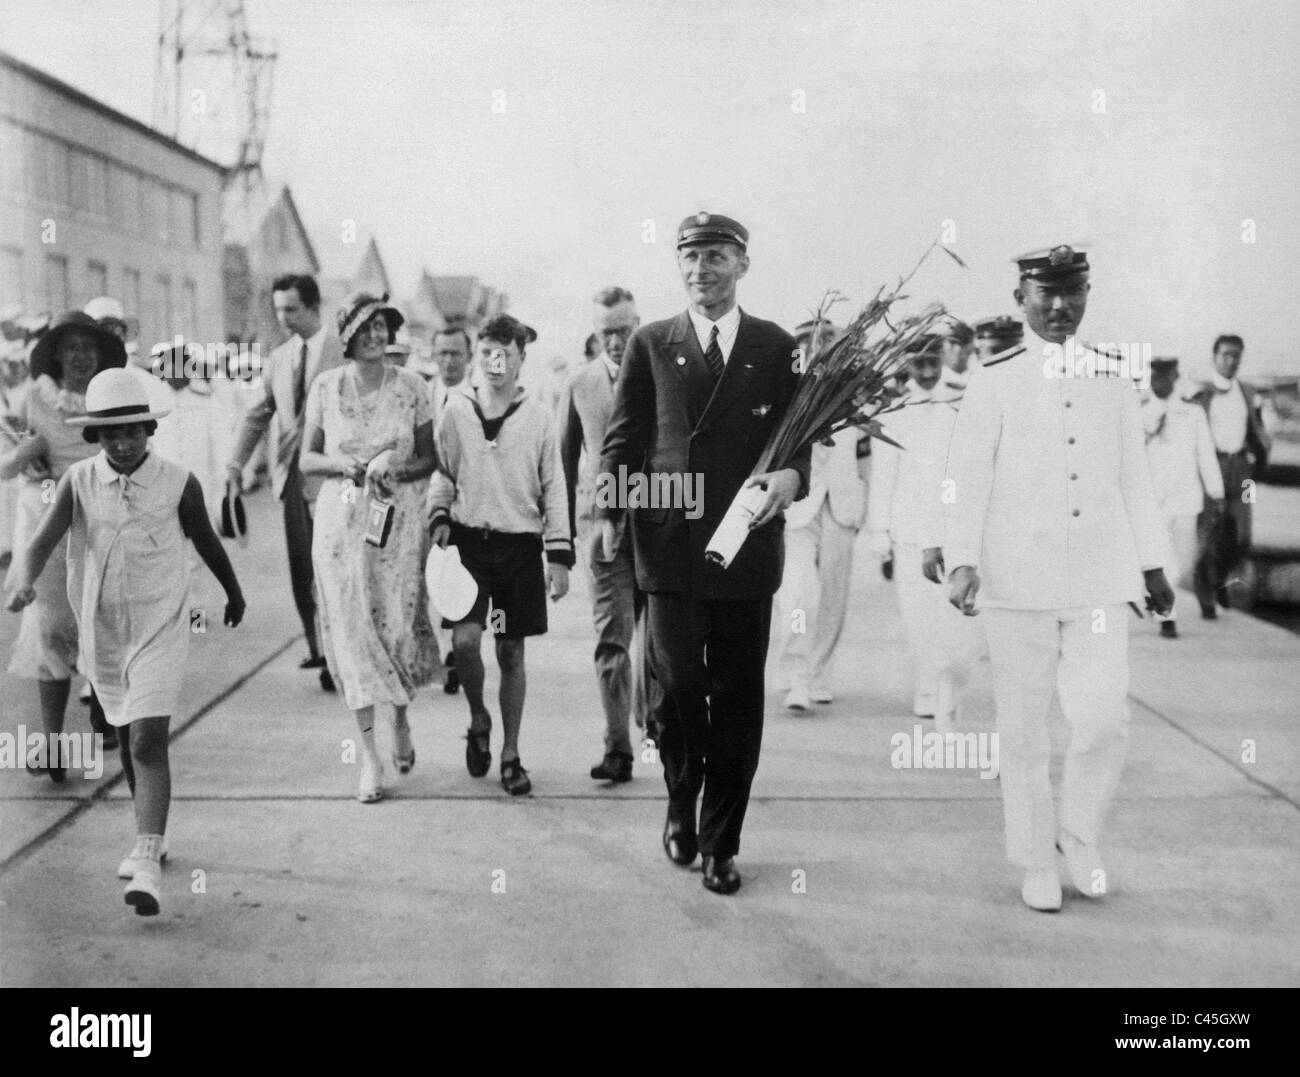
(1224, 539)
(298, 535)
(708, 660)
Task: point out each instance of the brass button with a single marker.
(1067, 403)
(1074, 474)
(1069, 441)
(1075, 513)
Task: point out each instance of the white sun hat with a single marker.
(115, 397)
(452, 590)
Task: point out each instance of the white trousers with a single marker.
(943, 644)
(1083, 655)
(818, 570)
(1182, 557)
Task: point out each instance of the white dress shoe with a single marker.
(1042, 890)
(1083, 865)
(142, 892)
(823, 695)
(798, 701)
(131, 861)
(370, 789)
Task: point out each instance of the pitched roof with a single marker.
(371, 276)
(245, 209)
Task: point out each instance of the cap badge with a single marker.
(1059, 256)
(701, 218)
(681, 360)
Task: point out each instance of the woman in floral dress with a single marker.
(369, 430)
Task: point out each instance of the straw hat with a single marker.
(359, 308)
(44, 358)
(115, 398)
(452, 590)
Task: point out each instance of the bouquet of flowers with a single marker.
(846, 380)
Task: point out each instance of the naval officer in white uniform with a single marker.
(1053, 524)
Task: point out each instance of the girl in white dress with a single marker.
(129, 513)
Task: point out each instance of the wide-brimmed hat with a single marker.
(115, 398)
(234, 521)
(359, 308)
(106, 309)
(45, 353)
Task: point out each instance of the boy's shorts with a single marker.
(508, 570)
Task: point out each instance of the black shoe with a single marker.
(326, 681)
(478, 752)
(680, 844)
(720, 874)
(110, 740)
(1168, 630)
(615, 767)
(514, 779)
(312, 663)
(1209, 613)
(1225, 599)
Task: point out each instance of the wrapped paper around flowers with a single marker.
(846, 379)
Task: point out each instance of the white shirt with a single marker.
(612, 366)
(728, 325)
(1228, 415)
(1184, 470)
(907, 486)
(1051, 494)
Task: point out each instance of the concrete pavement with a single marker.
(854, 872)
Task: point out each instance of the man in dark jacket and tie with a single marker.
(696, 398)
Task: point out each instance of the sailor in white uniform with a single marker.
(1053, 526)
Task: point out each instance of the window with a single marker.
(131, 291)
(97, 186)
(54, 172)
(96, 280)
(56, 285)
(166, 315)
(190, 307)
(11, 158)
(195, 235)
(11, 276)
(79, 171)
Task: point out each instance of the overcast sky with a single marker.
(1152, 129)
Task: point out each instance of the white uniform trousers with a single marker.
(1182, 558)
(943, 644)
(1082, 654)
(818, 570)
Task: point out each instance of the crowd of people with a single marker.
(1052, 499)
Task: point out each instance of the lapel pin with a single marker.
(681, 360)
(763, 410)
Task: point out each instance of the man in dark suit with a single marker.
(1242, 446)
(696, 398)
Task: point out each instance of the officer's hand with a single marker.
(608, 540)
(965, 583)
(887, 567)
(234, 483)
(19, 598)
(932, 564)
(441, 535)
(1160, 596)
(781, 487)
(557, 577)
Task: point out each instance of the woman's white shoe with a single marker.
(142, 892)
(134, 858)
(1042, 890)
(371, 788)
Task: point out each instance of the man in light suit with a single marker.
(696, 398)
(289, 372)
(617, 605)
(1184, 472)
(1053, 522)
(820, 531)
(1242, 445)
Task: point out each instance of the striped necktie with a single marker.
(713, 356)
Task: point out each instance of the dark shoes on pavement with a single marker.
(720, 874)
(478, 752)
(514, 779)
(680, 843)
(1168, 629)
(317, 662)
(615, 767)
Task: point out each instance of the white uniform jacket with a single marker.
(1180, 451)
(1051, 498)
(906, 485)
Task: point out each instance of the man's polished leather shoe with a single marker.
(720, 874)
(679, 843)
(615, 767)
